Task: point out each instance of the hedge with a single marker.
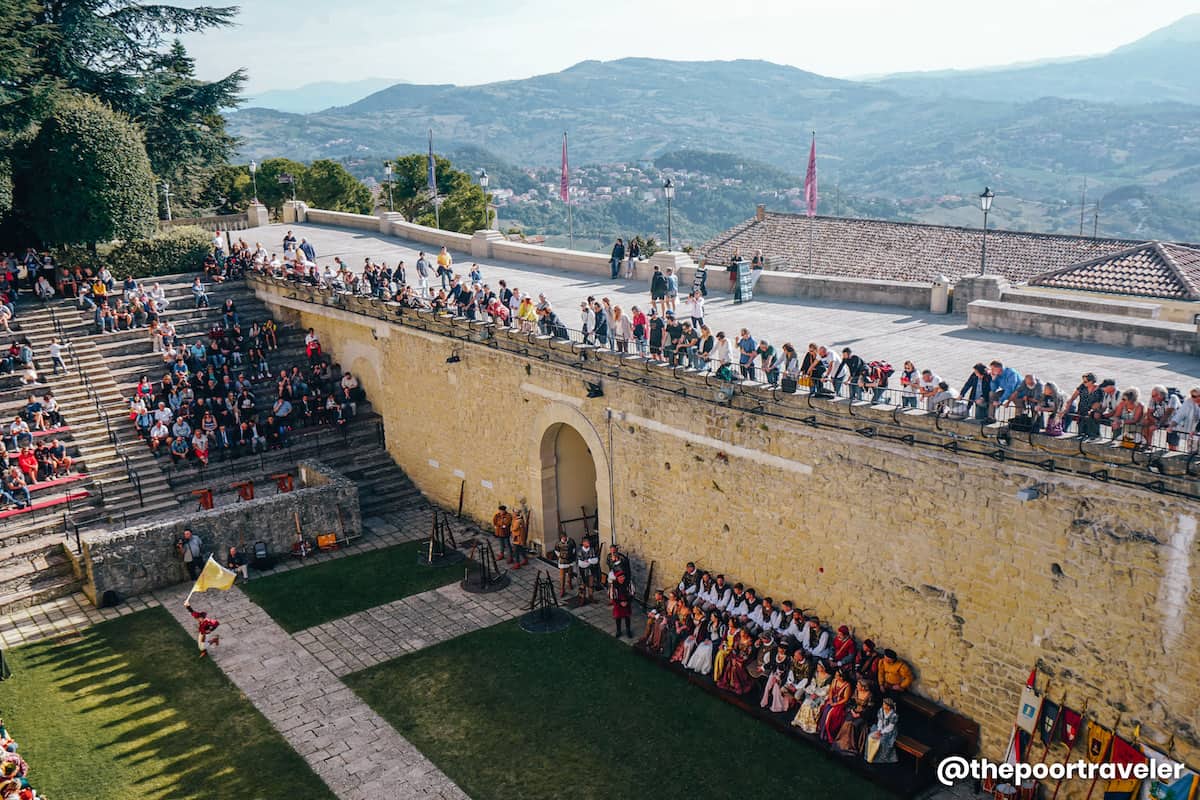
(181, 249)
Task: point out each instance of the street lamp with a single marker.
(483, 184)
(669, 191)
(387, 170)
(254, 179)
(166, 187)
(985, 203)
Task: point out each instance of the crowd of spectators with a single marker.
(205, 406)
(672, 330)
(14, 770)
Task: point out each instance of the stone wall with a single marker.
(142, 558)
(905, 527)
(1084, 326)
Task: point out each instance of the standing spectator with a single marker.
(748, 350)
(309, 251)
(1050, 408)
(672, 288)
(849, 371)
(445, 267)
(191, 547)
(977, 391)
(1185, 421)
(423, 269)
(1003, 382)
(1161, 406)
(618, 255)
(621, 329)
(658, 291)
(640, 332)
(1025, 399)
(722, 357)
(519, 533)
(1127, 418)
(502, 526)
(769, 360)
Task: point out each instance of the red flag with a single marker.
(1032, 678)
(564, 183)
(810, 179)
(1072, 722)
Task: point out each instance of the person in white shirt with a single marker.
(722, 356)
(723, 592)
(56, 358)
(815, 639)
(1185, 422)
(738, 605)
(163, 414)
(927, 387)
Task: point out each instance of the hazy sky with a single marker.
(287, 43)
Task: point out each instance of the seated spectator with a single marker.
(27, 462)
(13, 488)
(56, 451)
(199, 295)
(1127, 418)
(894, 674)
(1026, 399)
(236, 561)
(160, 436)
(179, 448)
(1161, 406)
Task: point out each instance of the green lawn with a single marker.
(509, 714)
(300, 598)
(127, 710)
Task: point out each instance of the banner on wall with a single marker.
(1031, 706)
(1183, 788)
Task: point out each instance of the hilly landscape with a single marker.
(921, 146)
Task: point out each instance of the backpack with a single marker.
(883, 370)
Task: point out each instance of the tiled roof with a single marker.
(902, 251)
(1154, 269)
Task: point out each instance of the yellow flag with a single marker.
(214, 576)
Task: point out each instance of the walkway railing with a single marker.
(1169, 472)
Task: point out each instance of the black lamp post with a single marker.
(387, 170)
(669, 191)
(483, 184)
(985, 203)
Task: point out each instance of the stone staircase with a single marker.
(125, 482)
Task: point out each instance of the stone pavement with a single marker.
(941, 343)
(355, 752)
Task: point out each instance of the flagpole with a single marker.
(570, 222)
(810, 196)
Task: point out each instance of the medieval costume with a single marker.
(843, 648)
(786, 695)
(589, 568)
(833, 714)
(776, 674)
(678, 629)
(766, 654)
(686, 631)
(726, 648)
(815, 640)
(205, 625)
(622, 607)
(860, 715)
(814, 698)
(881, 743)
(653, 615)
(736, 678)
(866, 662)
(689, 584)
(564, 552)
(701, 660)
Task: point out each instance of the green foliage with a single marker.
(87, 178)
(6, 185)
(271, 192)
(176, 250)
(185, 132)
(229, 190)
(462, 198)
(326, 184)
(24, 86)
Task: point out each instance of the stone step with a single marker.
(60, 586)
(19, 574)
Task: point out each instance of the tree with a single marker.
(326, 184)
(185, 132)
(229, 190)
(462, 199)
(121, 51)
(24, 85)
(86, 177)
(271, 192)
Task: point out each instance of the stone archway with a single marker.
(569, 464)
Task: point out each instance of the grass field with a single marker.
(301, 598)
(508, 714)
(126, 710)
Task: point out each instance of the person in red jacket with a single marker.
(205, 625)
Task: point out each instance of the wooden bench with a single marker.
(918, 750)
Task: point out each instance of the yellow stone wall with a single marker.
(925, 551)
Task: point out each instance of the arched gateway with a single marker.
(571, 478)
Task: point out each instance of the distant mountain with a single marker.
(1163, 66)
(927, 155)
(318, 96)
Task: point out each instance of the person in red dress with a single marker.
(622, 606)
(205, 625)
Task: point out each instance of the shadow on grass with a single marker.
(301, 598)
(126, 709)
(574, 714)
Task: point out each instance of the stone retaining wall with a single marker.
(139, 559)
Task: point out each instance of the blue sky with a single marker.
(288, 43)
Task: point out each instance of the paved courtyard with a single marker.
(941, 343)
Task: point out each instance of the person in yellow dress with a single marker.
(726, 648)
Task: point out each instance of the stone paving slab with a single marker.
(355, 752)
(942, 343)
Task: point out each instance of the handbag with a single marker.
(788, 385)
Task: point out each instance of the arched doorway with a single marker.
(572, 480)
(574, 483)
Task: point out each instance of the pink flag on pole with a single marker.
(564, 183)
(810, 179)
